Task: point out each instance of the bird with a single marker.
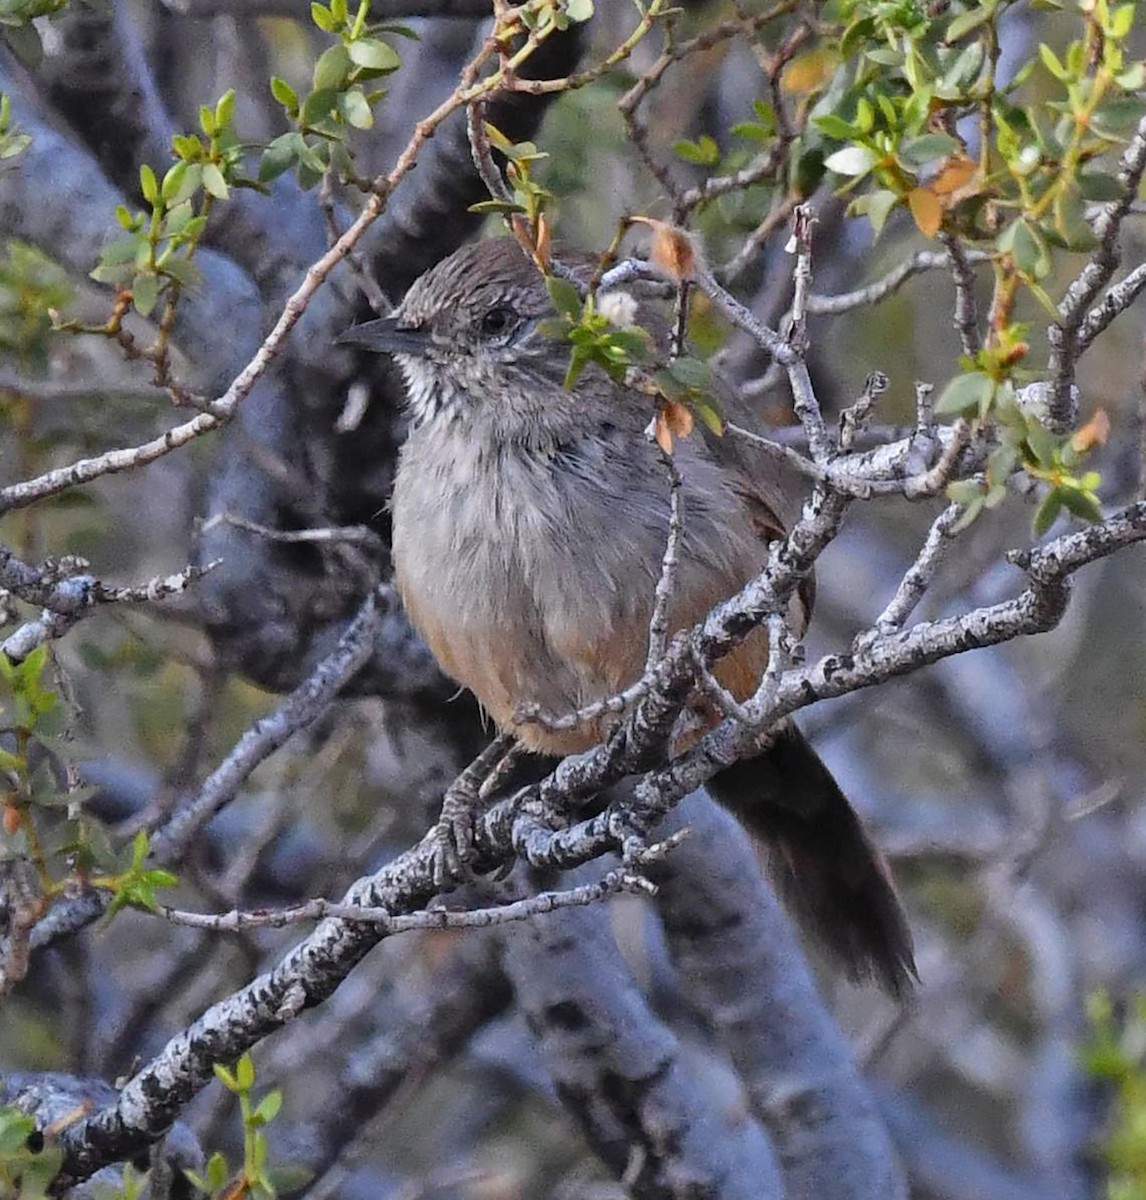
(529, 528)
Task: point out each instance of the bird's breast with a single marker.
(530, 573)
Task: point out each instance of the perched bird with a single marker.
(529, 526)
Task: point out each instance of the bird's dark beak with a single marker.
(387, 335)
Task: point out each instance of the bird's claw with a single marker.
(453, 848)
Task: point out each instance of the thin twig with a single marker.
(613, 884)
(482, 153)
(666, 583)
(889, 284)
(354, 535)
(960, 260)
(919, 576)
(1116, 301)
(803, 222)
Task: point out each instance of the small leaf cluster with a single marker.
(705, 152)
(690, 382)
(737, 208)
(18, 30)
(156, 258)
(593, 336)
(136, 884)
(254, 1178)
(33, 747)
(12, 141)
(905, 67)
(27, 717)
(1116, 1055)
(1025, 443)
(542, 17)
(27, 1165)
(31, 286)
(340, 97)
(899, 68)
(530, 198)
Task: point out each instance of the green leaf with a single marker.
(1070, 219)
(836, 127)
(969, 393)
(355, 109)
(578, 11)
(694, 374)
(970, 514)
(225, 109)
(704, 151)
(24, 42)
(1133, 78)
(1098, 187)
(1121, 22)
(1117, 118)
(187, 146)
(963, 72)
(279, 156)
(978, 14)
(750, 132)
(876, 206)
(374, 54)
(851, 160)
(15, 1130)
(317, 105)
(145, 293)
(214, 182)
(495, 206)
(172, 182)
(245, 1073)
(284, 94)
(332, 68)
(177, 219)
(1051, 61)
(1026, 247)
(565, 296)
(323, 18)
(964, 491)
(856, 35)
(183, 271)
(1043, 444)
(149, 185)
(269, 1108)
(917, 152)
(710, 414)
(1047, 513)
(225, 1077)
(1082, 504)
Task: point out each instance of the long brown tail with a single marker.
(827, 870)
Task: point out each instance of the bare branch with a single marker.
(921, 573)
(666, 583)
(614, 883)
(960, 260)
(889, 284)
(1065, 337)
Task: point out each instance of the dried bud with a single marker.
(673, 250)
(1094, 433)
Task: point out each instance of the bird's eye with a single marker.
(498, 321)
